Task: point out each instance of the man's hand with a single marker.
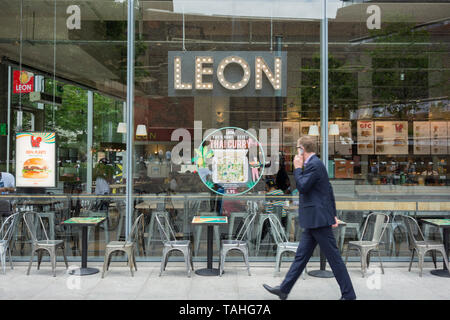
(298, 161)
(336, 224)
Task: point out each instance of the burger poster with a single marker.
(35, 159)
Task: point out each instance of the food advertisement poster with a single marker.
(343, 143)
(35, 159)
(421, 137)
(366, 138)
(438, 132)
(391, 137)
(229, 161)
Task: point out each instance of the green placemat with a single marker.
(209, 219)
(439, 222)
(85, 220)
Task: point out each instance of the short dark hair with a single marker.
(308, 143)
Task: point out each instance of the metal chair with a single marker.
(128, 246)
(283, 243)
(171, 244)
(239, 243)
(160, 208)
(417, 242)
(38, 246)
(6, 233)
(277, 210)
(370, 239)
(348, 226)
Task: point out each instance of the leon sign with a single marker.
(23, 81)
(227, 73)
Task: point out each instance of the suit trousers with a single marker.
(325, 238)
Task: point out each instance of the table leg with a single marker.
(209, 271)
(84, 270)
(322, 272)
(443, 272)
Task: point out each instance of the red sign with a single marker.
(365, 124)
(23, 81)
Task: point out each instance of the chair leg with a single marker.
(109, 260)
(163, 261)
(445, 257)
(346, 256)
(187, 262)
(3, 260)
(433, 256)
(130, 262)
(222, 262)
(134, 260)
(342, 238)
(364, 254)
(190, 259)
(381, 262)
(278, 261)
(10, 258)
(198, 234)
(65, 257)
(412, 258)
(421, 258)
(245, 252)
(39, 254)
(53, 259)
(105, 262)
(31, 261)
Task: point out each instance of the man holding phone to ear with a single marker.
(317, 216)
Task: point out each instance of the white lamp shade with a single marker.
(141, 130)
(313, 130)
(334, 130)
(122, 127)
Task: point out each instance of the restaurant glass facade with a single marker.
(207, 73)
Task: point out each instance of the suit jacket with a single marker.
(317, 207)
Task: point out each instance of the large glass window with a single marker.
(222, 92)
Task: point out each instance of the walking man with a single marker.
(317, 216)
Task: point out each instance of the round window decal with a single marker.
(230, 161)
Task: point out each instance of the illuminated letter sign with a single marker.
(227, 73)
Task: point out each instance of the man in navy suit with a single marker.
(317, 216)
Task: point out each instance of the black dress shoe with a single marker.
(276, 291)
(342, 298)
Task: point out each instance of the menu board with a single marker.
(366, 138)
(35, 159)
(391, 137)
(344, 142)
(438, 133)
(421, 137)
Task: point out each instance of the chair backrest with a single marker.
(374, 227)
(247, 227)
(413, 229)
(277, 229)
(33, 220)
(8, 227)
(164, 227)
(138, 221)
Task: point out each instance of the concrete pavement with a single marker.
(396, 284)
